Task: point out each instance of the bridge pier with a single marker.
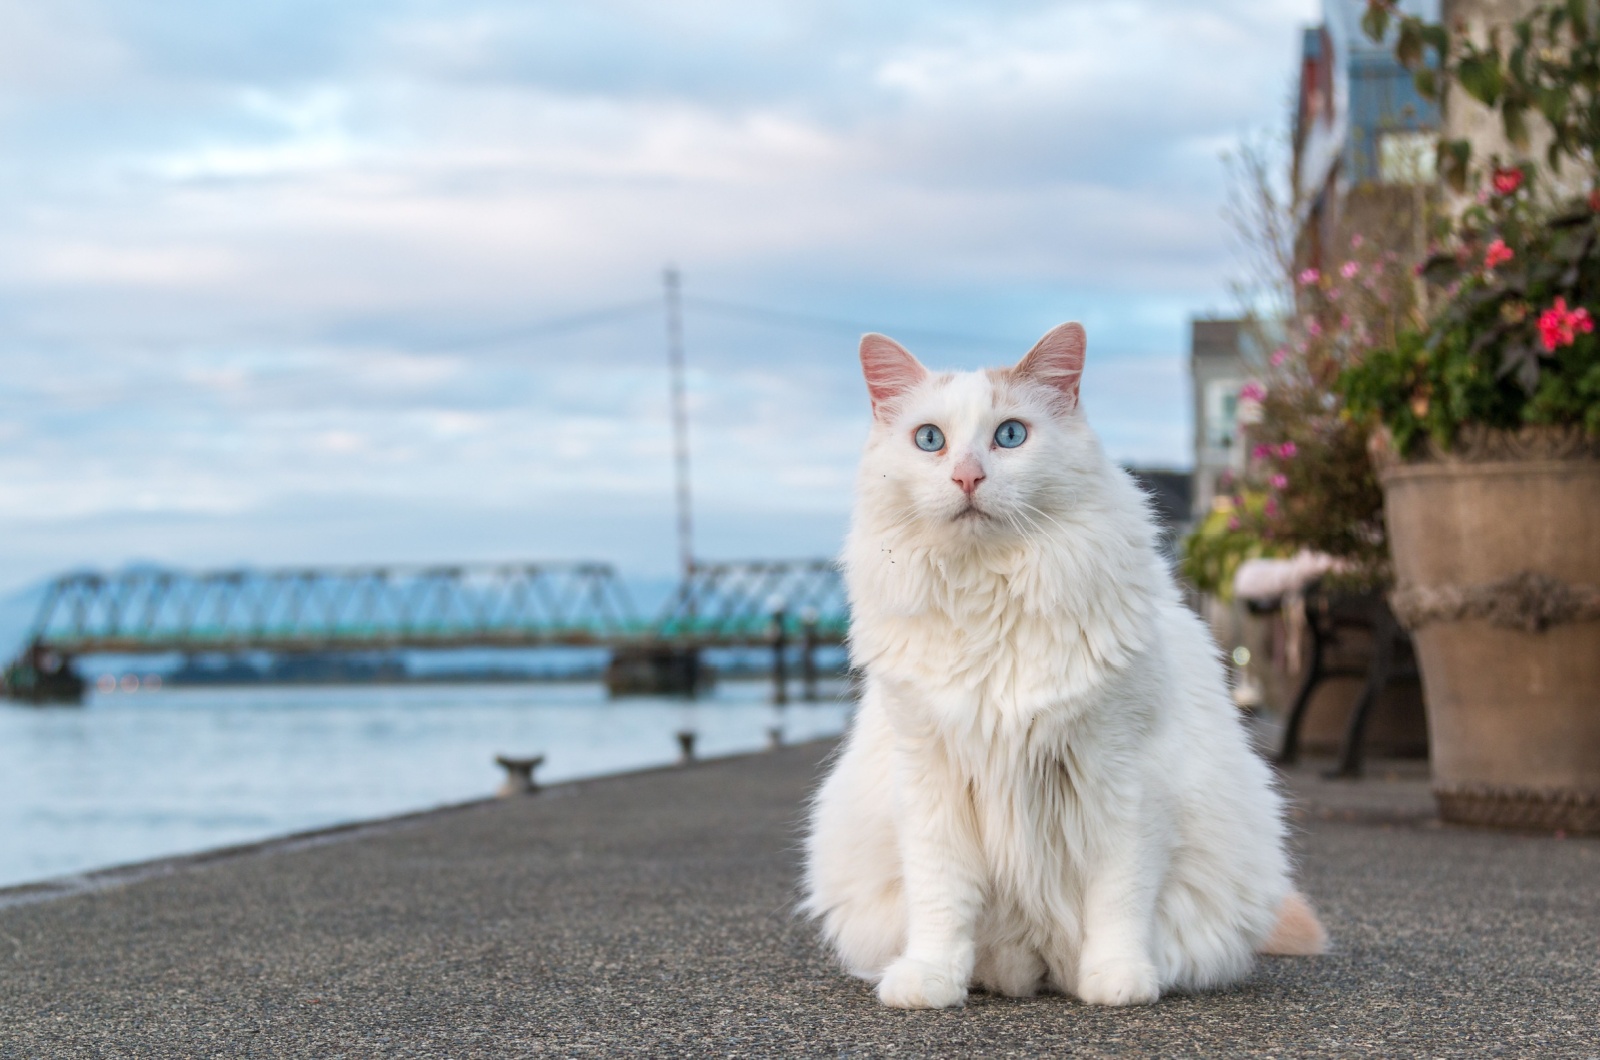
(808, 655)
(780, 657)
(657, 670)
(43, 676)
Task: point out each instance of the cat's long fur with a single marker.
(1046, 785)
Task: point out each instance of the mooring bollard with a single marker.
(808, 655)
(775, 737)
(686, 746)
(519, 775)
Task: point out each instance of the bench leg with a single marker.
(1384, 632)
(1289, 751)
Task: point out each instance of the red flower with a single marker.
(1594, 200)
(1498, 254)
(1506, 181)
(1560, 326)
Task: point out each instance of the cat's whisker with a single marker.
(1044, 515)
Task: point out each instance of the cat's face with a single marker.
(975, 456)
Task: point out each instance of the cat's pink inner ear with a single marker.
(1057, 361)
(890, 370)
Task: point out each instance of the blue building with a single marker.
(1363, 136)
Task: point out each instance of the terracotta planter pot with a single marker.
(1496, 549)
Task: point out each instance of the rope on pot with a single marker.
(1528, 601)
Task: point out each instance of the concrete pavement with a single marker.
(651, 915)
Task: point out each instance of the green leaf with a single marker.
(1375, 23)
(1441, 269)
(1408, 47)
(1427, 83)
(1553, 103)
(1479, 73)
(1436, 37)
(1578, 12)
(1454, 158)
(1511, 116)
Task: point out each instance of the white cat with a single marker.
(1046, 785)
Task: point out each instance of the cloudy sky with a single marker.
(300, 282)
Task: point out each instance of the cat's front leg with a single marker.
(944, 880)
(1114, 965)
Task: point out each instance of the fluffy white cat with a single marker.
(1046, 785)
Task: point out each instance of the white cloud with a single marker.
(235, 285)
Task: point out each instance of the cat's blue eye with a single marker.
(1010, 434)
(930, 439)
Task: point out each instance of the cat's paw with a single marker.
(910, 983)
(1119, 981)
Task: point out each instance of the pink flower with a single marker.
(1506, 181)
(1272, 507)
(1310, 276)
(1356, 241)
(1279, 481)
(1279, 355)
(1560, 326)
(1497, 254)
(1260, 452)
(1233, 522)
(1350, 270)
(1252, 391)
(1287, 450)
(1314, 328)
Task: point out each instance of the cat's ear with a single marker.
(890, 370)
(1057, 362)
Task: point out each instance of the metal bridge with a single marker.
(511, 605)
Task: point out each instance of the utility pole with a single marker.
(680, 416)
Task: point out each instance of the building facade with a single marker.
(1222, 358)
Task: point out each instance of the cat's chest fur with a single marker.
(1000, 643)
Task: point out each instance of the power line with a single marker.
(552, 326)
(817, 322)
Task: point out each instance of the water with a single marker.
(129, 777)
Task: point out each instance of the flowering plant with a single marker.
(1510, 339)
(1232, 532)
(1306, 482)
(1306, 455)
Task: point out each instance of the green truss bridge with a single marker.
(510, 605)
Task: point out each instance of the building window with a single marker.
(1406, 158)
(1222, 413)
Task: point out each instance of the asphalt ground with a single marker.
(652, 915)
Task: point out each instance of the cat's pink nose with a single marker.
(967, 475)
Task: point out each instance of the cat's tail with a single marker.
(1298, 932)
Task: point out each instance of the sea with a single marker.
(129, 776)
